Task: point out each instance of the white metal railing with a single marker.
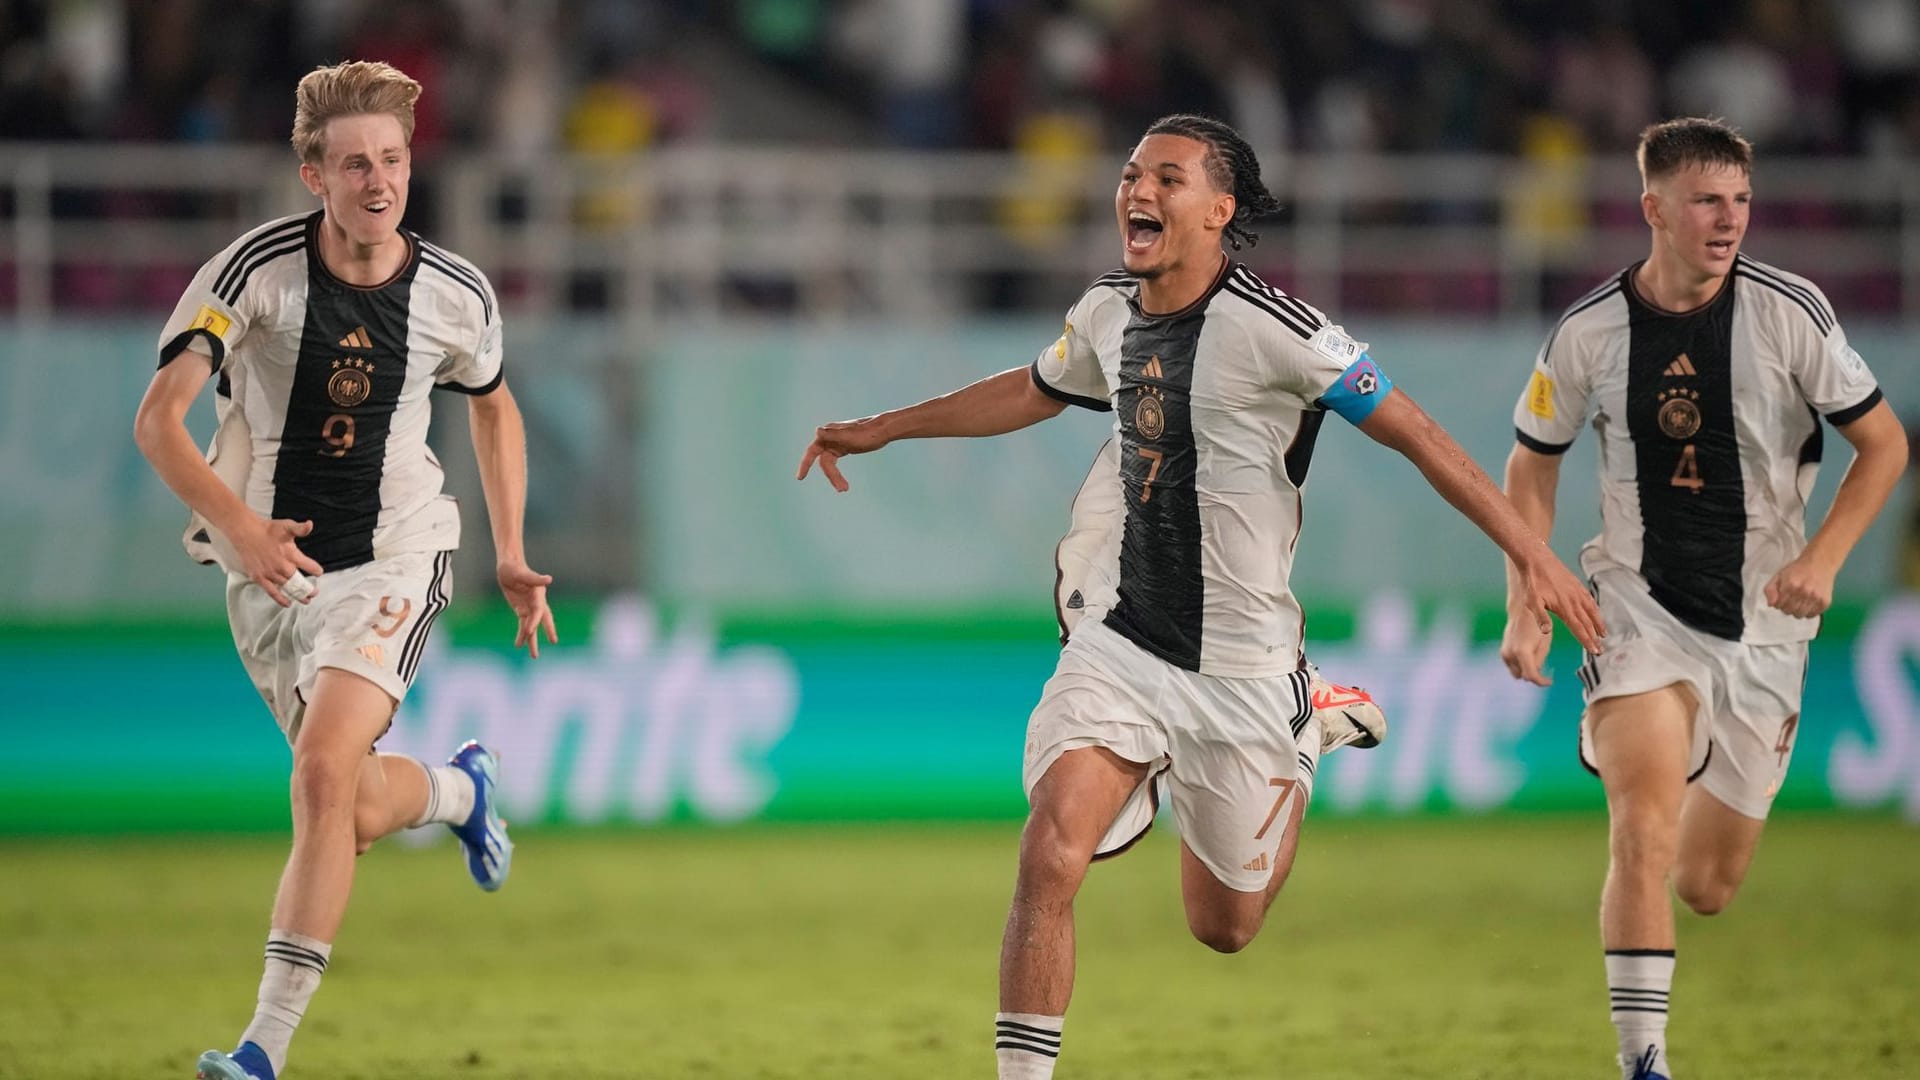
(709, 232)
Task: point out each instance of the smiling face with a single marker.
(1169, 211)
(362, 176)
(1699, 216)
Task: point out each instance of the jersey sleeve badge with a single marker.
(1540, 396)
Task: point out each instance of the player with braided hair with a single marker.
(1231, 166)
(1186, 675)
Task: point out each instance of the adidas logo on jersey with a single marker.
(357, 340)
(1258, 864)
(1075, 601)
(1680, 367)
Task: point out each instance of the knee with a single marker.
(1704, 891)
(325, 783)
(1223, 935)
(1644, 846)
(1052, 864)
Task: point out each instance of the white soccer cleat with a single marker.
(1348, 715)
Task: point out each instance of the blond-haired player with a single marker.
(328, 333)
(1706, 374)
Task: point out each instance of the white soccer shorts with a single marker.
(371, 620)
(1222, 749)
(1748, 695)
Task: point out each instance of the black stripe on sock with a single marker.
(1639, 952)
(295, 955)
(1008, 1044)
(1014, 1027)
(1638, 1008)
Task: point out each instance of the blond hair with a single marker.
(353, 88)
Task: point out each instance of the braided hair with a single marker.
(1231, 167)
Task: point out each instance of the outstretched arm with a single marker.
(500, 447)
(1532, 480)
(1804, 587)
(1546, 584)
(267, 552)
(995, 405)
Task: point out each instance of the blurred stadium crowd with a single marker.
(524, 77)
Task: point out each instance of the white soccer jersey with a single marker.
(1216, 416)
(324, 388)
(1709, 428)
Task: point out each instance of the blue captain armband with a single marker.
(1358, 391)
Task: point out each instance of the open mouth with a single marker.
(1142, 231)
(1721, 248)
(378, 207)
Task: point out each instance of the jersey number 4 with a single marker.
(1686, 471)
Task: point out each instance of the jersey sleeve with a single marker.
(1831, 376)
(1550, 411)
(212, 316)
(477, 366)
(1326, 370)
(1069, 369)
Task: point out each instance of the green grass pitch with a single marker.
(1430, 948)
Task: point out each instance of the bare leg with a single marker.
(1717, 844)
(392, 795)
(330, 759)
(1641, 745)
(1073, 804)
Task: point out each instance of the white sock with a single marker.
(1308, 739)
(449, 796)
(295, 963)
(1026, 1045)
(1639, 982)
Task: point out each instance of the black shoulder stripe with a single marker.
(486, 305)
(1819, 321)
(1763, 270)
(1590, 300)
(272, 235)
(232, 294)
(1286, 319)
(1116, 277)
(459, 267)
(1300, 308)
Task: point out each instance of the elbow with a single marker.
(146, 430)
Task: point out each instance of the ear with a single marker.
(310, 176)
(1650, 209)
(1221, 211)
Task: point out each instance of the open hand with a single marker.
(1547, 585)
(526, 592)
(833, 441)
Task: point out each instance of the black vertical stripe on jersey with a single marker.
(1695, 542)
(1299, 454)
(341, 495)
(1162, 593)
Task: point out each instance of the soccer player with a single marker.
(1192, 682)
(328, 331)
(1706, 374)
